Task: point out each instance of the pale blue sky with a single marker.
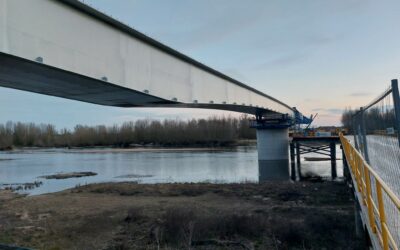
(319, 56)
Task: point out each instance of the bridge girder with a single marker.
(67, 49)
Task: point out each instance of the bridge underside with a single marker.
(27, 75)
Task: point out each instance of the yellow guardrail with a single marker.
(372, 189)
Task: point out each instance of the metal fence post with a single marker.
(359, 133)
(364, 134)
(396, 103)
(355, 129)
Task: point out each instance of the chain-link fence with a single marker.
(376, 136)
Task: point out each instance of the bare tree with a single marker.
(211, 131)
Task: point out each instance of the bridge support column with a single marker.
(273, 153)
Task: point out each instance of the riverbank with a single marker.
(139, 147)
(275, 215)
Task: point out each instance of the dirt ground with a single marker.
(273, 215)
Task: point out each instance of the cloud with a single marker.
(357, 94)
(332, 111)
(282, 61)
(293, 51)
(216, 27)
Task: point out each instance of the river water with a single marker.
(228, 165)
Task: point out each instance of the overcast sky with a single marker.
(319, 56)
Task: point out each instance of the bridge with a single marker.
(85, 55)
(372, 157)
(67, 49)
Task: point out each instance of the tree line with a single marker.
(212, 131)
(376, 119)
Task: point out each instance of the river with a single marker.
(226, 165)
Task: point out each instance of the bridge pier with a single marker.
(273, 147)
(292, 163)
(273, 155)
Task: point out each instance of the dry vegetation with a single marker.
(275, 215)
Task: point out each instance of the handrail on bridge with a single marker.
(365, 178)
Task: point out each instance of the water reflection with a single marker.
(221, 166)
(285, 170)
(273, 170)
(230, 165)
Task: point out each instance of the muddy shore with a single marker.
(274, 215)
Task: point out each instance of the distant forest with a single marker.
(376, 119)
(215, 131)
(346, 119)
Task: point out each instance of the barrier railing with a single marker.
(377, 198)
(379, 123)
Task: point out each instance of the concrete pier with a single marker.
(273, 153)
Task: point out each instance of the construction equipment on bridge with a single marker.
(301, 119)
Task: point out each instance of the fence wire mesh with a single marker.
(376, 137)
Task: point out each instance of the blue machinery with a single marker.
(280, 120)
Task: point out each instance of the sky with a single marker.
(318, 56)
